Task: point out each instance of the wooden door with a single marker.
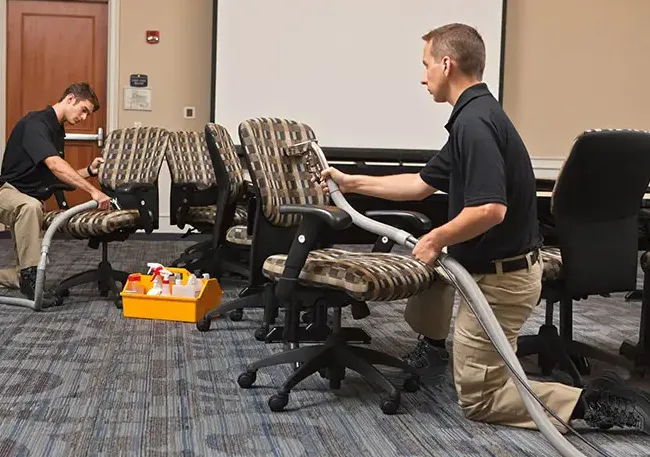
(50, 45)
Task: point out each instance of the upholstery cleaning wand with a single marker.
(463, 281)
(38, 303)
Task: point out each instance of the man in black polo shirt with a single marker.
(33, 160)
(493, 232)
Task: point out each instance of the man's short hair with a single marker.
(82, 91)
(462, 43)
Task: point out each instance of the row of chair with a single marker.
(287, 240)
(133, 159)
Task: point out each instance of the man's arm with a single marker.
(68, 175)
(402, 187)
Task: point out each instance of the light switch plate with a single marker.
(189, 112)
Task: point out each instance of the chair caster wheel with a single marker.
(411, 385)
(277, 402)
(307, 317)
(203, 325)
(236, 315)
(260, 334)
(247, 379)
(118, 303)
(58, 300)
(389, 406)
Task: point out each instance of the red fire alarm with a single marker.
(153, 36)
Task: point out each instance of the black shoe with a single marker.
(429, 360)
(610, 403)
(28, 284)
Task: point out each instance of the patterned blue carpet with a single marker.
(82, 380)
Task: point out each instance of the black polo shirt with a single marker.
(485, 161)
(37, 136)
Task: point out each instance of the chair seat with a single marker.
(208, 214)
(239, 235)
(96, 222)
(366, 276)
(241, 215)
(201, 214)
(552, 259)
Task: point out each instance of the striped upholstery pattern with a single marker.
(228, 156)
(239, 235)
(95, 222)
(282, 178)
(201, 214)
(552, 261)
(133, 155)
(372, 276)
(189, 160)
(208, 214)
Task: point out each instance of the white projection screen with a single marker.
(351, 69)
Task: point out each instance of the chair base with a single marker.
(104, 275)
(331, 359)
(552, 351)
(201, 257)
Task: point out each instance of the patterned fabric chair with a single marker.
(595, 208)
(197, 200)
(305, 273)
(133, 157)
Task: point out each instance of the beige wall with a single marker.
(179, 67)
(572, 65)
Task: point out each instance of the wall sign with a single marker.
(138, 80)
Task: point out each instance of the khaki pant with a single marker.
(485, 390)
(24, 217)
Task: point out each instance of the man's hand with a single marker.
(428, 249)
(101, 198)
(337, 176)
(94, 165)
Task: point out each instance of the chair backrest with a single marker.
(596, 203)
(189, 160)
(133, 155)
(224, 160)
(279, 178)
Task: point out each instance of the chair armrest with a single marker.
(333, 216)
(306, 238)
(60, 186)
(56, 189)
(132, 188)
(411, 221)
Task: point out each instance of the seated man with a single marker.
(33, 160)
(493, 232)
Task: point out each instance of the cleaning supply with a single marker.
(134, 284)
(196, 284)
(166, 285)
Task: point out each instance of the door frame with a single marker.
(112, 77)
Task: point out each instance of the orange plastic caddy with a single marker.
(169, 308)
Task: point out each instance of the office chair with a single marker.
(595, 205)
(205, 194)
(309, 274)
(133, 157)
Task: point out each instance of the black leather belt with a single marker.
(508, 265)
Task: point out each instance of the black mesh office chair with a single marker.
(595, 206)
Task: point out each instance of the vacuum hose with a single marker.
(60, 219)
(472, 294)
